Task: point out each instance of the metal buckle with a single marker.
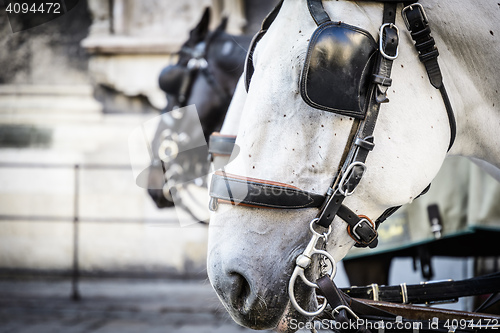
(358, 225)
(197, 63)
(380, 46)
(410, 7)
(404, 293)
(375, 291)
(344, 179)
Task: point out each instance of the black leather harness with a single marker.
(366, 79)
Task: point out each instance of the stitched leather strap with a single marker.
(432, 291)
(237, 190)
(389, 211)
(389, 45)
(360, 228)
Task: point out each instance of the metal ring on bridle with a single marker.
(345, 175)
(381, 46)
(296, 305)
(344, 307)
(314, 232)
(299, 271)
(303, 262)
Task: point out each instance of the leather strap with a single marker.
(336, 298)
(220, 145)
(249, 68)
(186, 85)
(237, 190)
(389, 211)
(318, 12)
(271, 16)
(492, 300)
(425, 45)
(431, 291)
(389, 50)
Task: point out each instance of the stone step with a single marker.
(47, 103)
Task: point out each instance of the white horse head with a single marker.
(252, 251)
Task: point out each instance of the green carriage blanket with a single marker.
(468, 200)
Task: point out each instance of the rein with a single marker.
(236, 190)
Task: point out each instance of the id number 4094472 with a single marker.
(484, 323)
(24, 8)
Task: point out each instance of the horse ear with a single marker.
(201, 30)
(223, 24)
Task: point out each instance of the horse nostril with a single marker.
(240, 290)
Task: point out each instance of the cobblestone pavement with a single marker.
(112, 305)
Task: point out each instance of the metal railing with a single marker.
(75, 219)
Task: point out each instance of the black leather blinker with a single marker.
(171, 79)
(338, 68)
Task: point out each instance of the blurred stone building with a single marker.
(71, 93)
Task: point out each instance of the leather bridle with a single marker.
(236, 190)
(178, 81)
(198, 64)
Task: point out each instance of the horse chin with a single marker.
(286, 321)
(290, 320)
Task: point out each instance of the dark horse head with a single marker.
(206, 73)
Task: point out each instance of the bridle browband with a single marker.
(236, 190)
